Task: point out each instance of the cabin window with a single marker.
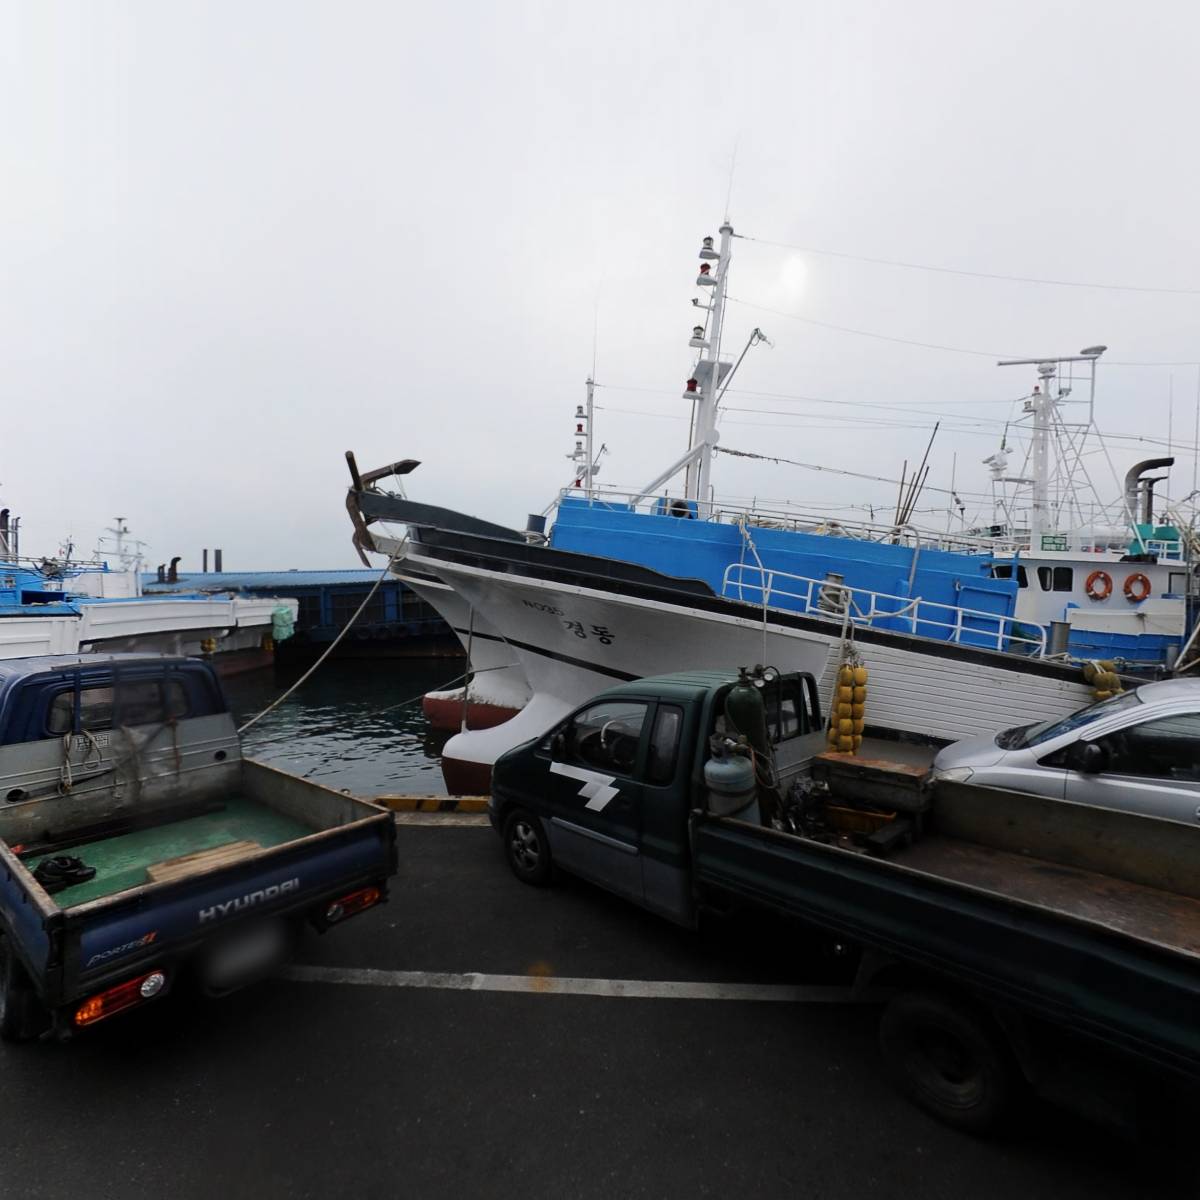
(1005, 571)
(177, 700)
(141, 702)
(62, 712)
(664, 744)
(606, 736)
(96, 708)
(786, 712)
(1056, 579)
(150, 701)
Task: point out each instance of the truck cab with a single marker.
(610, 786)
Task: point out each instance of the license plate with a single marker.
(245, 954)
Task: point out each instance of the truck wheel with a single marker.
(22, 1016)
(948, 1060)
(527, 847)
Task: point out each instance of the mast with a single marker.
(585, 467)
(1043, 406)
(591, 388)
(705, 383)
(1043, 409)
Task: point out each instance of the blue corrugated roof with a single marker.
(195, 581)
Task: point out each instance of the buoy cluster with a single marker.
(849, 709)
(1103, 677)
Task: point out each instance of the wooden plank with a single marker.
(201, 860)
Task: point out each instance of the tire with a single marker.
(948, 1060)
(22, 1015)
(527, 848)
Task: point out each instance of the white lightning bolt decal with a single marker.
(595, 786)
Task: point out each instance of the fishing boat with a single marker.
(66, 605)
(625, 584)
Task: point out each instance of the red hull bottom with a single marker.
(445, 713)
(463, 778)
(236, 662)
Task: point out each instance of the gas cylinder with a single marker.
(745, 710)
(730, 783)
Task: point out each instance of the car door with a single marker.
(594, 793)
(1150, 767)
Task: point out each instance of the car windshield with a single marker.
(1043, 731)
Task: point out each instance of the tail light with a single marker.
(117, 999)
(351, 903)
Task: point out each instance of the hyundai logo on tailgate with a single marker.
(249, 900)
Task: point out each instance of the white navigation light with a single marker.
(706, 249)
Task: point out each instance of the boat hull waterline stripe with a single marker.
(612, 672)
(561, 985)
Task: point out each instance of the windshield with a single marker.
(1043, 731)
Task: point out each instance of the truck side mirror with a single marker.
(1089, 758)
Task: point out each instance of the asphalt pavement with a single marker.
(345, 1083)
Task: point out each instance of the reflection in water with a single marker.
(348, 726)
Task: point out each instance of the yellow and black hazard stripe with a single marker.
(433, 804)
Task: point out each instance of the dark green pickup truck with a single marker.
(1005, 928)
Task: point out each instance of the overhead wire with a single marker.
(884, 337)
(939, 270)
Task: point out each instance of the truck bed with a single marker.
(1088, 917)
(1146, 913)
(123, 860)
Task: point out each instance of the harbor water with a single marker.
(353, 725)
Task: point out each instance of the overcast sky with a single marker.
(238, 239)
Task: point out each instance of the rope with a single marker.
(744, 526)
(66, 777)
(328, 650)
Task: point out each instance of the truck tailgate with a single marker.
(140, 927)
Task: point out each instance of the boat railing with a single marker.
(57, 567)
(782, 515)
(862, 607)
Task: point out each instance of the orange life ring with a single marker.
(1102, 592)
(1139, 582)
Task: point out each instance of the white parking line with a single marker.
(557, 985)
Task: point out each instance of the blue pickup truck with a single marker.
(139, 848)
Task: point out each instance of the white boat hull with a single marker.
(918, 687)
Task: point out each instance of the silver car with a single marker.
(1138, 751)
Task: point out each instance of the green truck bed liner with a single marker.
(121, 861)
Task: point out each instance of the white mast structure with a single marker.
(1045, 519)
(704, 386)
(710, 371)
(586, 467)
